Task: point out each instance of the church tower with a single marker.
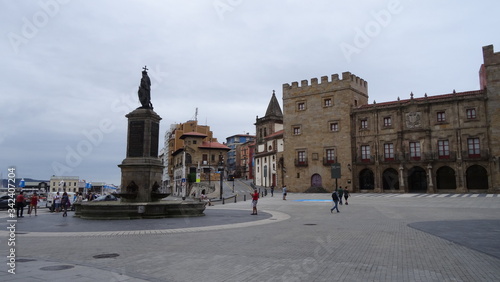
(269, 146)
(271, 122)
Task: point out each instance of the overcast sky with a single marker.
(70, 69)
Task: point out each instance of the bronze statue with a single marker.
(145, 90)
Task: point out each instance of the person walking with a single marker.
(20, 203)
(65, 203)
(57, 202)
(346, 195)
(335, 198)
(255, 199)
(33, 203)
(341, 194)
(284, 192)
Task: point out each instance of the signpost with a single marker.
(335, 171)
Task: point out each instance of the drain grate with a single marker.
(25, 260)
(105, 256)
(56, 267)
(310, 224)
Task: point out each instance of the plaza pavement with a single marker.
(377, 237)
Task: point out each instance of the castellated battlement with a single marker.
(348, 80)
(490, 57)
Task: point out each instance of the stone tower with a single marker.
(490, 80)
(317, 129)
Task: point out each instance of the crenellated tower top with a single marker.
(348, 81)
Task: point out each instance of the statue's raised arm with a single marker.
(145, 90)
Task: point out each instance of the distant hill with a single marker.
(5, 181)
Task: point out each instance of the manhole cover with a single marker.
(25, 260)
(64, 224)
(56, 267)
(105, 256)
(310, 224)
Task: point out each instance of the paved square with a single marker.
(377, 237)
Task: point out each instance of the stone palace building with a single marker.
(435, 144)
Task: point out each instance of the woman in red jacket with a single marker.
(255, 199)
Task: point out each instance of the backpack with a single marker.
(335, 197)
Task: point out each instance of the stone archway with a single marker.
(417, 181)
(316, 180)
(476, 177)
(445, 178)
(366, 180)
(390, 179)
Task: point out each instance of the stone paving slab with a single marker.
(374, 238)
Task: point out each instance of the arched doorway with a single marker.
(390, 179)
(417, 181)
(445, 178)
(366, 180)
(316, 180)
(477, 177)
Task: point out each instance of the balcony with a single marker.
(423, 157)
(301, 162)
(451, 157)
(363, 160)
(329, 162)
(482, 156)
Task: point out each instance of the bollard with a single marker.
(244, 198)
(265, 191)
(235, 198)
(223, 201)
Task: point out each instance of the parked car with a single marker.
(4, 202)
(106, 198)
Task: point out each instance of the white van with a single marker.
(50, 198)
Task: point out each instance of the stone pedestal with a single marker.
(141, 169)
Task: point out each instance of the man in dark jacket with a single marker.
(335, 198)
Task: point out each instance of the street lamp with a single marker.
(221, 164)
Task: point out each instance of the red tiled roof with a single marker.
(277, 133)
(435, 97)
(193, 134)
(213, 145)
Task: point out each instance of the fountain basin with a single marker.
(138, 210)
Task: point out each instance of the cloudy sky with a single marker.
(70, 69)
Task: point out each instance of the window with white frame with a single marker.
(473, 147)
(443, 149)
(330, 156)
(296, 130)
(389, 151)
(387, 121)
(364, 124)
(471, 113)
(365, 153)
(415, 150)
(334, 126)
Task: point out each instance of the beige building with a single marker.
(195, 157)
(65, 184)
(441, 143)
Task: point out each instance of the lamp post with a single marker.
(221, 164)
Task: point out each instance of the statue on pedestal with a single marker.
(145, 90)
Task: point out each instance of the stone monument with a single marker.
(141, 172)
